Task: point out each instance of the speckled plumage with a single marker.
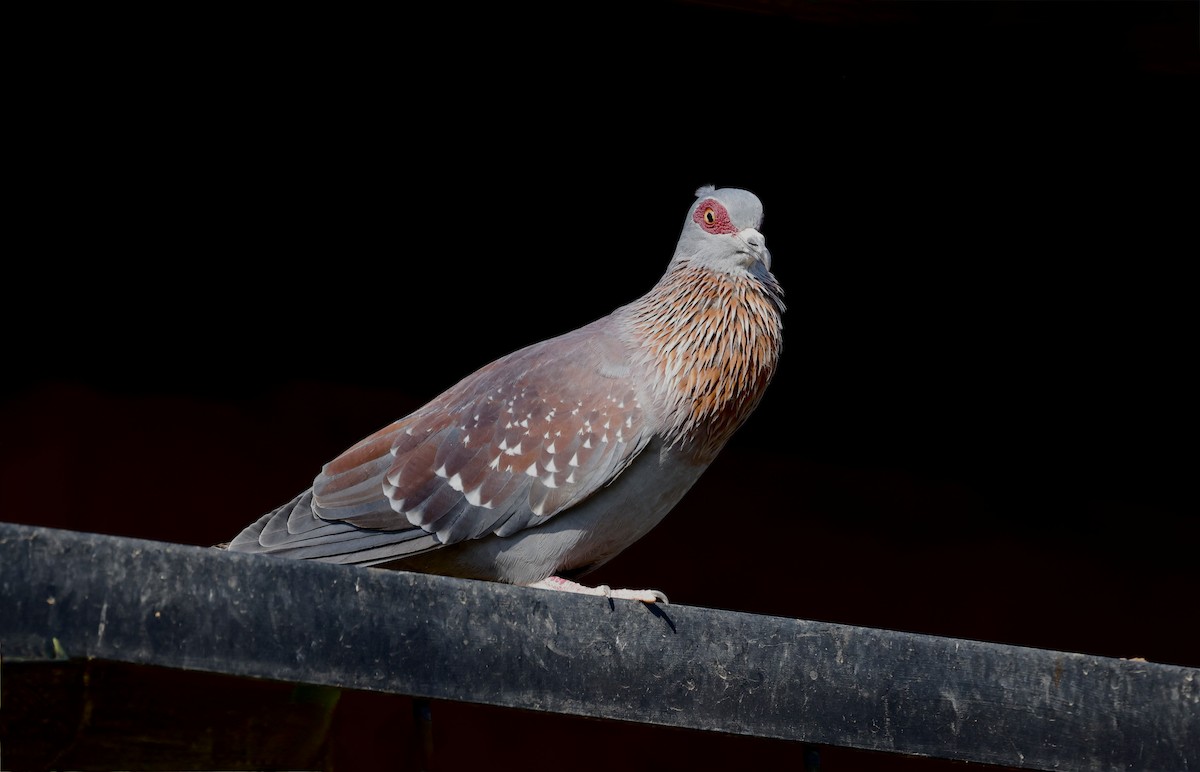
(553, 459)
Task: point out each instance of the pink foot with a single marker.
(566, 585)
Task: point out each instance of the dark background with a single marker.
(245, 242)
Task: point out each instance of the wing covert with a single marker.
(512, 445)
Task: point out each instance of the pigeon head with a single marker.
(721, 233)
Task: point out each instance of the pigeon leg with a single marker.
(566, 585)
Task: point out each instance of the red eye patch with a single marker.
(713, 218)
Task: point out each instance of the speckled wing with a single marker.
(507, 448)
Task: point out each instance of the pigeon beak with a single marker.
(755, 247)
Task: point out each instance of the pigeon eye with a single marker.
(712, 217)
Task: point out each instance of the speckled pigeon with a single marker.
(548, 462)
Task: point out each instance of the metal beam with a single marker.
(82, 595)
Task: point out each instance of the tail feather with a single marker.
(294, 531)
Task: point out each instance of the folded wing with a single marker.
(521, 440)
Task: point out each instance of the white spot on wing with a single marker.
(532, 470)
(456, 482)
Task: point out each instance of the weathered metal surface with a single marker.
(90, 596)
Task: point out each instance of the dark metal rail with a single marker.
(83, 596)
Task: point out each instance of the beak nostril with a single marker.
(753, 238)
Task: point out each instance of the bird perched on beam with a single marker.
(548, 462)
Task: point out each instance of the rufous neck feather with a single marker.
(712, 340)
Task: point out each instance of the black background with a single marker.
(244, 242)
